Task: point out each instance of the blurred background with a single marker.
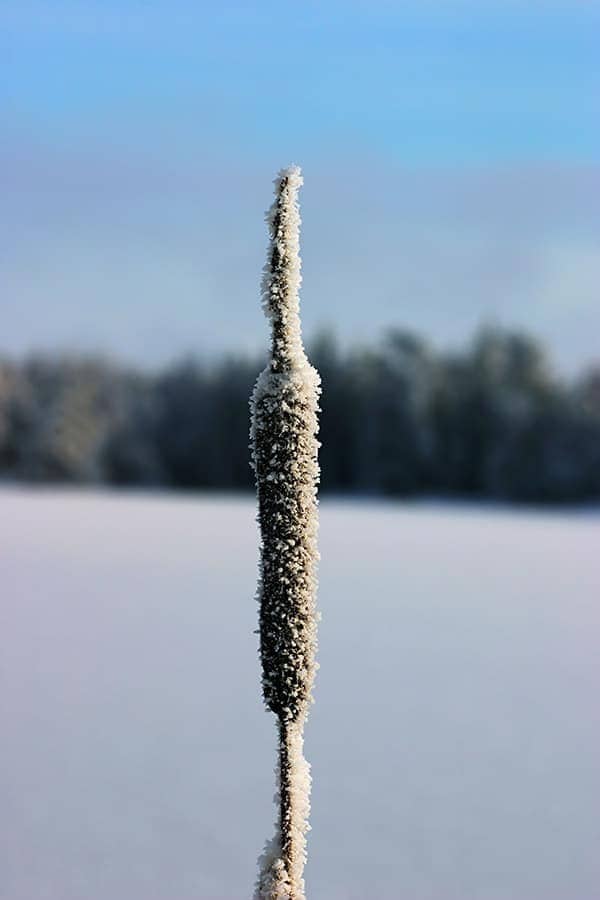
(451, 226)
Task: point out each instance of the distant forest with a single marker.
(398, 419)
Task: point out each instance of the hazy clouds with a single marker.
(449, 149)
(147, 258)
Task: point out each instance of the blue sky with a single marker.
(450, 152)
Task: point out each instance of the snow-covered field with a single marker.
(455, 740)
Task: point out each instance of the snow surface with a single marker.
(454, 742)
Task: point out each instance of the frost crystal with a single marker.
(284, 448)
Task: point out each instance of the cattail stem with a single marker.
(284, 426)
(285, 795)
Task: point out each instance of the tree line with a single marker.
(399, 418)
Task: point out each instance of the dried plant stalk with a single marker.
(284, 444)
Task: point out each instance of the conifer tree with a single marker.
(284, 426)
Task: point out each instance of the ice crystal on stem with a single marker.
(284, 447)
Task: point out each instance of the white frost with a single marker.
(284, 446)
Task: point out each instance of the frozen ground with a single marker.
(455, 741)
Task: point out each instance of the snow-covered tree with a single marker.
(61, 416)
(283, 433)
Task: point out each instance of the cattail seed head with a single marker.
(284, 445)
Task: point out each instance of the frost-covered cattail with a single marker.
(284, 426)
